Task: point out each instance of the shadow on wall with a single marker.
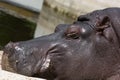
(15, 29)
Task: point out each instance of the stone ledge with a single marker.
(5, 75)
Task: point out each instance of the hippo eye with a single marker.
(73, 32)
(73, 35)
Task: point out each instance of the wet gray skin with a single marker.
(88, 49)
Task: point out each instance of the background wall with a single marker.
(56, 12)
(82, 6)
(35, 5)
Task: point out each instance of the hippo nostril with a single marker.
(10, 45)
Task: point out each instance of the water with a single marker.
(14, 29)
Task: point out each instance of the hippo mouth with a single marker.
(42, 65)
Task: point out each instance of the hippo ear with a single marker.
(83, 18)
(102, 22)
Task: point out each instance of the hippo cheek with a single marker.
(55, 52)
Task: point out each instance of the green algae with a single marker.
(15, 29)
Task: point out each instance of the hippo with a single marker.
(87, 49)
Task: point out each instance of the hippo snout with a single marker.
(30, 60)
(12, 58)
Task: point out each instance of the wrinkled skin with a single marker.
(88, 49)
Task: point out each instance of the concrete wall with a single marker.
(19, 12)
(34, 5)
(55, 12)
(82, 6)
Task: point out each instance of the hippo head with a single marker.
(80, 51)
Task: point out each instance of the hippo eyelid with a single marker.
(73, 32)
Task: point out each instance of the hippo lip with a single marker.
(5, 63)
